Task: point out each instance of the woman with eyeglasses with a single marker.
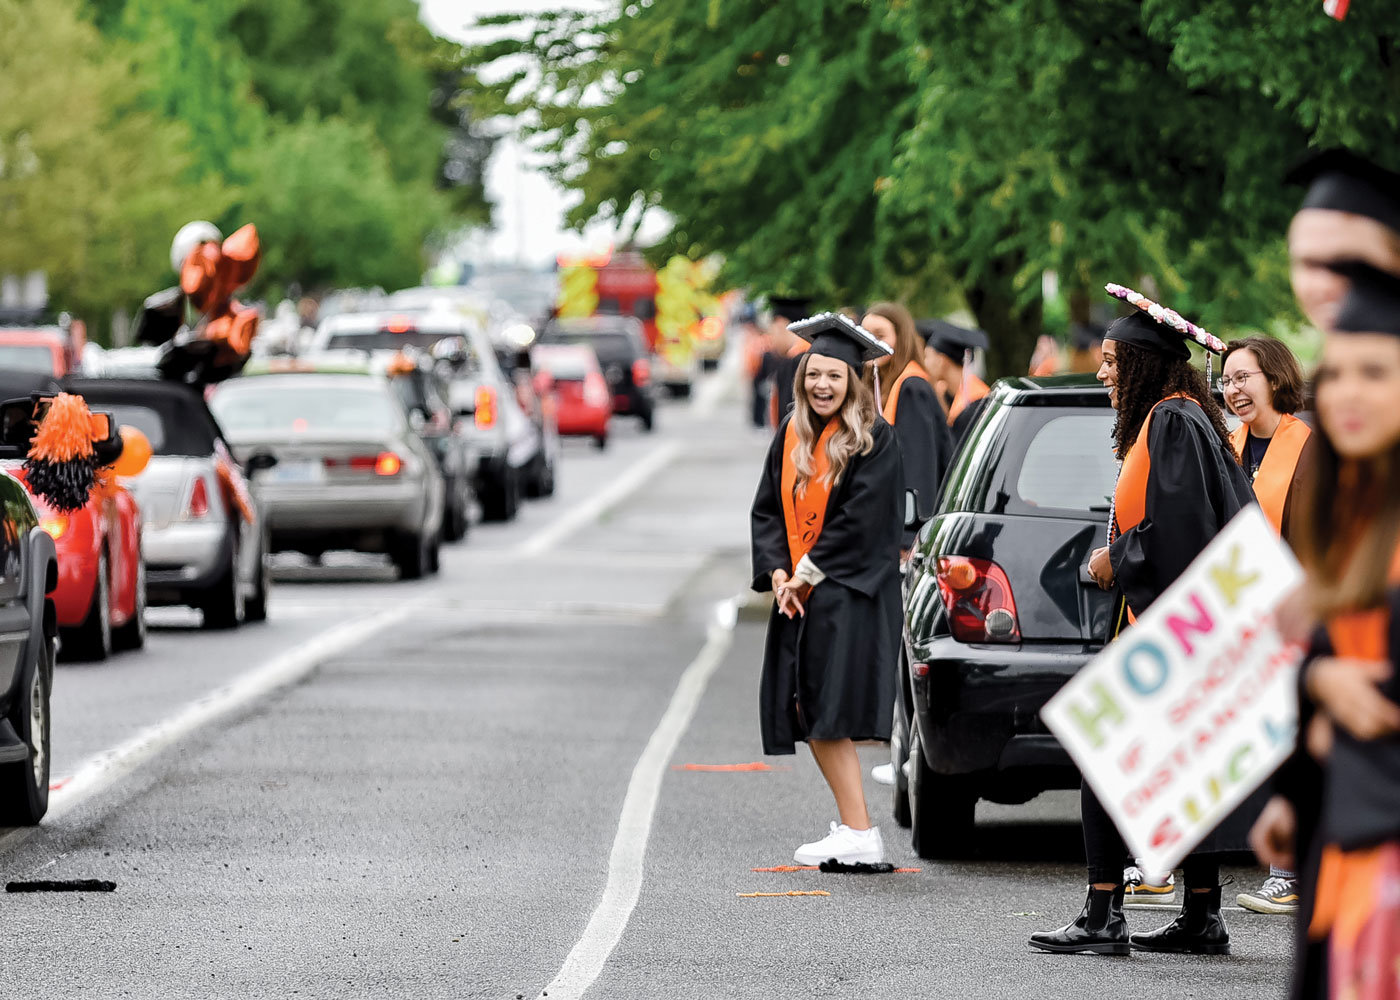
(1263, 386)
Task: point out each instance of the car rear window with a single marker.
(251, 408)
(387, 340)
(1054, 460)
(26, 358)
(564, 365)
(174, 426)
(612, 346)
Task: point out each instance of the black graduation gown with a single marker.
(925, 445)
(1353, 801)
(967, 418)
(1195, 487)
(839, 660)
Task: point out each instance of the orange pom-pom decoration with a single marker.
(61, 464)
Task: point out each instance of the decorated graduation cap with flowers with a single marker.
(1154, 327)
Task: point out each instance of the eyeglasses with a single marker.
(1239, 379)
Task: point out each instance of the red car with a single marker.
(585, 405)
(101, 595)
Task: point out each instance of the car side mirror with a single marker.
(259, 461)
(911, 509)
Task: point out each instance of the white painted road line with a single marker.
(628, 858)
(609, 496)
(106, 768)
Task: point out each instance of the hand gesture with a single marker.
(1347, 691)
(1274, 833)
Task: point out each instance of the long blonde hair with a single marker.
(853, 434)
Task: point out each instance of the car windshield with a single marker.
(245, 408)
(26, 358)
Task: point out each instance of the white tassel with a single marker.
(876, 369)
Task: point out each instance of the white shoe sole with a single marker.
(1258, 905)
(1148, 899)
(883, 774)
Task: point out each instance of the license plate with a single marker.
(296, 472)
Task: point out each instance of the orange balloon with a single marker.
(136, 452)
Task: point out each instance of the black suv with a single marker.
(620, 344)
(999, 610)
(28, 631)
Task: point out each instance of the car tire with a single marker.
(454, 518)
(223, 605)
(435, 554)
(649, 421)
(600, 441)
(501, 501)
(255, 607)
(92, 640)
(899, 745)
(132, 635)
(24, 786)
(942, 807)
(545, 486)
(411, 555)
(680, 390)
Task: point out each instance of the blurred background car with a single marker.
(99, 599)
(619, 344)
(33, 342)
(346, 470)
(999, 608)
(710, 342)
(584, 405)
(203, 535)
(514, 454)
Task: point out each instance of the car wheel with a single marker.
(942, 807)
(92, 640)
(24, 785)
(223, 605)
(132, 635)
(649, 421)
(600, 441)
(411, 555)
(899, 742)
(435, 554)
(545, 487)
(454, 518)
(255, 608)
(501, 500)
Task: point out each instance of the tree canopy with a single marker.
(961, 148)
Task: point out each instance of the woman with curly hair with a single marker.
(826, 526)
(1179, 484)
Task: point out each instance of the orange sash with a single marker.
(970, 391)
(1130, 494)
(804, 514)
(1347, 880)
(912, 370)
(1275, 475)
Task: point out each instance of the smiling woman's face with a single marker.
(1108, 371)
(826, 383)
(1250, 397)
(883, 330)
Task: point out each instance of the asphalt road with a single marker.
(477, 786)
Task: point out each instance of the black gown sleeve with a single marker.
(925, 445)
(859, 543)
(767, 529)
(1182, 507)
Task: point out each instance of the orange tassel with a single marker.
(65, 433)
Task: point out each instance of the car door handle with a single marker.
(1085, 578)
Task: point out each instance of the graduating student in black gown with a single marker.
(826, 525)
(949, 347)
(1178, 487)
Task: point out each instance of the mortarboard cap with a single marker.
(1373, 303)
(790, 308)
(950, 339)
(1156, 328)
(1342, 181)
(835, 336)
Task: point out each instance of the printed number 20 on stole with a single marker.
(1190, 710)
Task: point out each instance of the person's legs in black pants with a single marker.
(1100, 926)
(1104, 851)
(1201, 872)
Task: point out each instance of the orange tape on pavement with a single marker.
(792, 892)
(757, 765)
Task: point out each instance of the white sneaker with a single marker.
(1142, 887)
(883, 774)
(845, 845)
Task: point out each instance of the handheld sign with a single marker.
(1188, 712)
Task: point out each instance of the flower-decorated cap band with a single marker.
(1157, 328)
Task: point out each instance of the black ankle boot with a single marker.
(1100, 928)
(1198, 929)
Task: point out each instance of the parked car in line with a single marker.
(620, 346)
(346, 468)
(584, 403)
(999, 609)
(536, 400)
(30, 342)
(510, 445)
(28, 634)
(203, 534)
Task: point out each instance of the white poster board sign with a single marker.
(1191, 709)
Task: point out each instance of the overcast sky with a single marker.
(529, 207)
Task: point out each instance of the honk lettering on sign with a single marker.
(1189, 711)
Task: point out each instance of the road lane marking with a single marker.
(628, 858)
(104, 769)
(585, 513)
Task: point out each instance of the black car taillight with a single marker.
(977, 594)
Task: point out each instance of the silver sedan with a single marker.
(350, 472)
